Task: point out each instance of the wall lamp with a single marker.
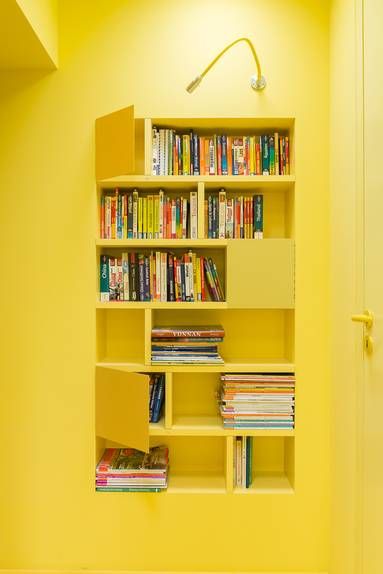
(257, 82)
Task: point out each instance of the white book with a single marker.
(125, 274)
(229, 218)
(221, 214)
(193, 215)
(162, 152)
(184, 218)
(155, 151)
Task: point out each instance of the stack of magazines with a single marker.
(258, 401)
(130, 470)
(187, 345)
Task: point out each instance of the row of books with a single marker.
(187, 345)
(219, 154)
(128, 215)
(130, 470)
(238, 217)
(243, 461)
(156, 396)
(257, 401)
(159, 276)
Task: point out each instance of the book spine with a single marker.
(213, 267)
(271, 155)
(158, 276)
(224, 154)
(161, 214)
(193, 215)
(222, 214)
(214, 218)
(140, 218)
(229, 218)
(158, 399)
(287, 155)
(178, 218)
(156, 217)
(102, 217)
(150, 217)
(170, 273)
(196, 155)
(144, 218)
(212, 167)
(163, 257)
(202, 155)
(184, 218)
(112, 279)
(141, 279)
(146, 279)
(229, 155)
(125, 276)
(133, 275)
(219, 155)
(185, 154)
(276, 147)
(258, 217)
(135, 214)
(104, 278)
(258, 155)
(265, 156)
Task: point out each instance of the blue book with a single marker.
(159, 399)
(224, 154)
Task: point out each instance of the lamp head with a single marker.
(194, 84)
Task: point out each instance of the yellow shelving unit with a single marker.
(257, 315)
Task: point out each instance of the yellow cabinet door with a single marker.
(260, 274)
(122, 407)
(115, 144)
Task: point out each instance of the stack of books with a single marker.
(156, 396)
(187, 345)
(257, 401)
(219, 154)
(128, 215)
(159, 276)
(234, 217)
(243, 461)
(130, 470)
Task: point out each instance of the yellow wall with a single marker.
(43, 17)
(113, 54)
(346, 213)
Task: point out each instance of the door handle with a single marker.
(367, 318)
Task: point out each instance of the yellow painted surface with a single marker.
(112, 55)
(346, 244)
(43, 18)
(28, 34)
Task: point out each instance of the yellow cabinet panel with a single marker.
(122, 407)
(115, 144)
(260, 274)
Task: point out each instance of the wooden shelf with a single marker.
(180, 180)
(160, 243)
(267, 366)
(268, 483)
(193, 483)
(161, 305)
(209, 426)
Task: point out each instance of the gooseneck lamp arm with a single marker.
(258, 82)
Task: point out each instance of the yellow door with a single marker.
(122, 407)
(372, 426)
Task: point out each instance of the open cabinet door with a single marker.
(115, 144)
(122, 407)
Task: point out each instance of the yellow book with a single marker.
(185, 155)
(156, 216)
(150, 234)
(139, 226)
(198, 280)
(144, 218)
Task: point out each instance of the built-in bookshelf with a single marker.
(257, 311)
